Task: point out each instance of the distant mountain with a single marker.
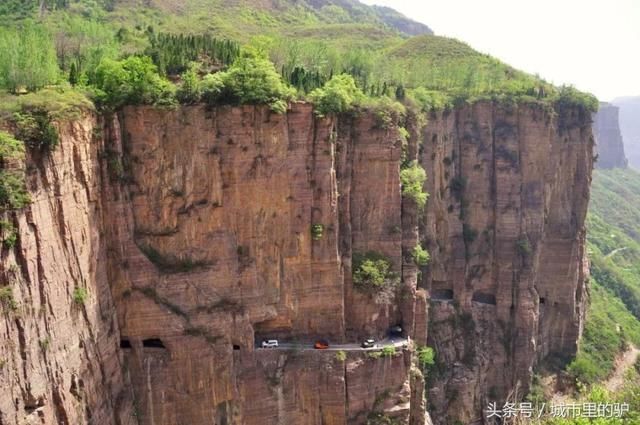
(359, 12)
(398, 21)
(630, 127)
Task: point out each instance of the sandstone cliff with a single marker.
(609, 145)
(191, 231)
(505, 227)
(211, 250)
(59, 358)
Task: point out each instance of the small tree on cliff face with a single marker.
(412, 179)
(371, 271)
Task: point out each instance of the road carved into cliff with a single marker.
(303, 346)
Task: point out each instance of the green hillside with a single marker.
(308, 41)
(614, 251)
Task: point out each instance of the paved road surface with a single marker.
(396, 342)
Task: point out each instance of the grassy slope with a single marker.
(340, 25)
(614, 249)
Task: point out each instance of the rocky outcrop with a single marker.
(630, 127)
(59, 352)
(609, 145)
(505, 227)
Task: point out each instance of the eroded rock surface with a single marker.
(609, 144)
(192, 231)
(505, 227)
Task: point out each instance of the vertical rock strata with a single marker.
(198, 232)
(59, 356)
(214, 250)
(609, 144)
(505, 228)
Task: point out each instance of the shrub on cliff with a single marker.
(371, 270)
(35, 128)
(132, 81)
(426, 357)
(212, 87)
(388, 112)
(13, 191)
(568, 96)
(190, 91)
(430, 100)
(412, 179)
(420, 256)
(339, 94)
(253, 79)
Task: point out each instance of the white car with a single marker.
(270, 343)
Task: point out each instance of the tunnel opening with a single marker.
(442, 294)
(484, 298)
(236, 347)
(125, 343)
(542, 300)
(153, 343)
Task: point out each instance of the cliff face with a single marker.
(59, 359)
(212, 251)
(192, 232)
(630, 127)
(505, 228)
(609, 143)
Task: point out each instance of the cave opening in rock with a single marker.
(542, 300)
(125, 343)
(484, 298)
(236, 347)
(153, 343)
(442, 294)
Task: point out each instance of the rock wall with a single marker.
(213, 251)
(609, 145)
(505, 228)
(59, 356)
(191, 231)
(630, 127)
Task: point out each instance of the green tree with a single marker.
(134, 80)
(339, 94)
(73, 74)
(28, 59)
(212, 87)
(412, 179)
(371, 270)
(253, 79)
(420, 256)
(190, 91)
(13, 191)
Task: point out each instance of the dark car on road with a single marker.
(368, 343)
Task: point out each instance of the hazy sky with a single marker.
(594, 45)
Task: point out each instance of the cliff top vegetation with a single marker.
(90, 43)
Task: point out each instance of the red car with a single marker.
(321, 344)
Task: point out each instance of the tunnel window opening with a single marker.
(236, 347)
(153, 343)
(125, 343)
(542, 300)
(442, 294)
(483, 298)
